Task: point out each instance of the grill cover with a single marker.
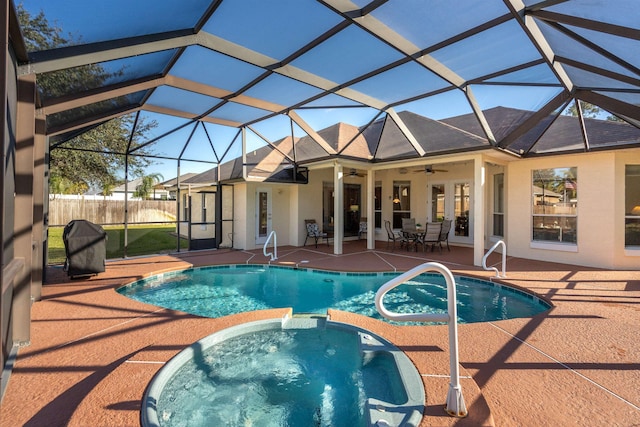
(85, 246)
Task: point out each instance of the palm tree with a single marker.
(146, 186)
(107, 188)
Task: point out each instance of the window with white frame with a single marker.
(555, 205)
(632, 206)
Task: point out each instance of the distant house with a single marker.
(161, 191)
(544, 197)
(118, 193)
(168, 189)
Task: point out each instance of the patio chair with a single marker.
(444, 234)
(408, 224)
(392, 236)
(362, 228)
(314, 232)
(430, 236)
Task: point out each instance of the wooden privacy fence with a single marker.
(62, 211)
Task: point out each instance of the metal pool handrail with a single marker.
(455, 402)
(504, 259)
(274, 254)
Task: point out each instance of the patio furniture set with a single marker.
(411, 236)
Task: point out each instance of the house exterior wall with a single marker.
(281, 212)
(601, 204)
(600, 223)
(283, 199)
(310, 200)
(600, 220)
(242, 211)
(623, 258)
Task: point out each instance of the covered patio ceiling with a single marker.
(216, 74)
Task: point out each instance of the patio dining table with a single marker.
(423, 235)
(413, 236)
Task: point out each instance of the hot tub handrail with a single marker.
(504, 259)
(455, 402)
(274, 254)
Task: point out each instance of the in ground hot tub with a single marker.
(301, 371)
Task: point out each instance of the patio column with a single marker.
(479, 194)
(40, 198)
(371, 221)
(23, 243)
(338, 208)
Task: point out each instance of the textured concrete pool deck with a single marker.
(93, 351)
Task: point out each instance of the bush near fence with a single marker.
(105, 211)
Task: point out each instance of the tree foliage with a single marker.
(95, 159)
(590, 111)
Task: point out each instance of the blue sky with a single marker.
(279, 27)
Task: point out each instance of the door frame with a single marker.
(261, 239)
(351, 209)
(449, 206)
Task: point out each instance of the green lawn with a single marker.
(143, 240)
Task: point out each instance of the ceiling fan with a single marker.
(354, 172)
(428, 169)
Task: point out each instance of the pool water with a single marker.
(273, 378)
(294, 372)
(224, 290)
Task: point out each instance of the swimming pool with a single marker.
(296, 371)
(218, 291)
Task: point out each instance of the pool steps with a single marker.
(304, 321)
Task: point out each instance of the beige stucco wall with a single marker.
(281, 212)
(242, 212)
(601, 205)
(309, 202)
(283, 203)
(623, 258)
(600, 241)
